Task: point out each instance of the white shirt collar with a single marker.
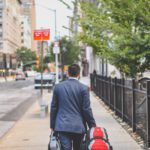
(73, 78)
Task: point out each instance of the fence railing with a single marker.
(127, 100)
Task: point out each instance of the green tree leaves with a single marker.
(69, 51)
(120, 32)
(25, 55)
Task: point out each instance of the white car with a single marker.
(48, 81)
(20, 76)
(31, 73)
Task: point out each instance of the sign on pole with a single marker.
(42, 35)
(56, 48)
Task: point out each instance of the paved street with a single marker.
(32, 132)
(15, 99)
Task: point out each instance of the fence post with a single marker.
(102, 87)
(123, 99)
(148, 113)
(115, 95)
(109, 92)
(94, 83)
(133, 107)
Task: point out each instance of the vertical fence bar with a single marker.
(133, 107)
(148, 113)
(102, 87)
(104, 91)
(123, 99)
(91, 81)
(99, 87)
(97, 81)
(115, 94)
(96, 85)
(112, 93)
(109, 91)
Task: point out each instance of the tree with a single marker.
(69, 52)
(25, 55)
(119, 31)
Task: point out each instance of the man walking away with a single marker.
(71, 110)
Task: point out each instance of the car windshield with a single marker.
(45, 76)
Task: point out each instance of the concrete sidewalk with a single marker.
(32, 132)
(10, 78)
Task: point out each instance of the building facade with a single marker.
(11, 26)
(25, 33)
(29, 10)
(10, 33)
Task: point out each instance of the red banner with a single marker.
(42, 35)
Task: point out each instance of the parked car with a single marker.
(48, 81)
(30, 73)
(20, 76)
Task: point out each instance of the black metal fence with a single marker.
(127, 100)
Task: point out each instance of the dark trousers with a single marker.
(69, 140)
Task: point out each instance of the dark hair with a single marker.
(74, 70)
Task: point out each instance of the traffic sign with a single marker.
(56, 44)
(56, 48)
(42, 35)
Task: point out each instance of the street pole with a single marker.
(56, 54)
(42, 68)
(56, 51)
(56, 61)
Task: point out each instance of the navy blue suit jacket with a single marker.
(70, 107)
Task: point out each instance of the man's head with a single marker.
(74, 70)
